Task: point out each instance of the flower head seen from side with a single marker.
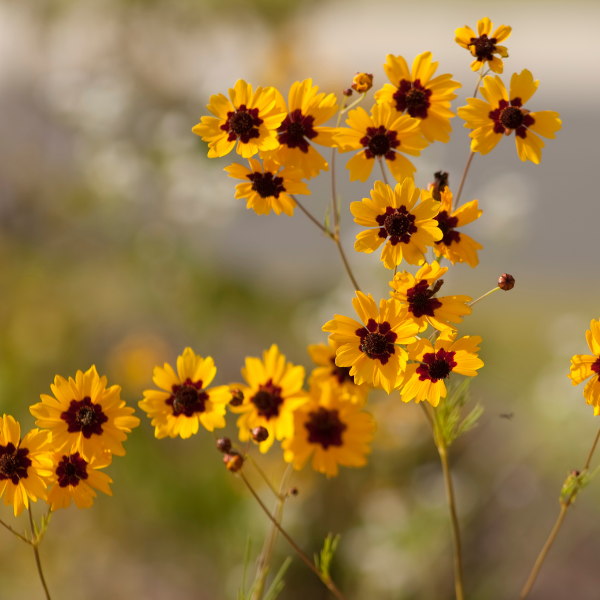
(248, 118)
(415, 93)
(418, 293)
(456, 246)
(371, 347)
(425, 378)
(584, 366)
(85, 416)
(382, 136)
(398, 221)
(268, 186)
(273, 391)
(185, 401)
(331, 428)
(484, 45)
(25, 464)
(74, 478)
(501, 113)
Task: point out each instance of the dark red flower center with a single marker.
(188, 398)
(242, 123)
(511, 117)
(596, 367)
(447, 224)
(413, 98)
(484, 47)
(85, 416)
(436, 365)
(380, 142)
(294, 130)
(71, 469)
(420, 301)
(13, 463)
(266, 185)
(397, 224)
(342, 373)
(325, 427)
(268, 400)
(377, 340)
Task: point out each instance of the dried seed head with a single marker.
(224, 445)
(362, 82)
(233, 462)
(347, 92)
(237, 397)
(506, 282)
(260, 434)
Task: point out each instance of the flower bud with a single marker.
(237, 397)
(260, 434)
(224, 445)
(362, 82)
(347, 92)
(233, 462)
(439, 185)
(506, 282)
(293, 491)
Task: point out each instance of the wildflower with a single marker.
(362, 82)
(371, 348)
(419, 96)
(506, 282)
(406, 228)
(75, 479)
(273, 392)
(25, 464)
(418, 293)
(483, 46)
(249, 120)
(186, 400)
(455, 245)
(584, 366)
(383, 136)
(503, 113)
(85, 416)
(268, 187)
(424, 379)
(332, 430)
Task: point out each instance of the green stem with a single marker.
(38, 562)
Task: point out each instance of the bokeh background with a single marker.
(120, 244)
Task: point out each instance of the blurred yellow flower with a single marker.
(362, 82)
(584, 366)
(484, 45)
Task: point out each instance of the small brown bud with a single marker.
(506, 282)
(233, 462)
(237, 397)
(439, 185)
(224, 445)
(362, 82)
(260, 434)
(293, 491)
(347, 92)
(576, 473)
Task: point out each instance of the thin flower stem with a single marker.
(15, 533)
(482, 297)
(37, 557)
(329, 583)
(305, 211)
(427, 415)
(343, 255)
(591, 454)
(481, 76)
(346, 109)
(263, 475)
(383, 171)
(463, 179)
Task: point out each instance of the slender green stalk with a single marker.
(24, 539)
(36, 552)
(482, 297)
(463, 179)
(264, 476)
(309, 215)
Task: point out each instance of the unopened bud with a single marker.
(237, 397)
(260, 434)
(347, 92)
(362, 82)
(233, 462)
(293, 491)
(224, 445)
(506, 282)
(439, 185)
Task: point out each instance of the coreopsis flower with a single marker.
(268, 186)
(383, 136)
(405, 227)
(328, 373)
(249, 119)
(185, 401)
(418, 294)
(74, 478)
(334, 430)
(85, 416)
(502, 113)
(25, 464)
(417, 94)
(584, 366)
(424, 379)
(273, 391)
(362, 82)
(371, 347)
(455, 245)
(484, 45)
(301, 127)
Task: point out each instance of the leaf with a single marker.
(278, 584)
(323, 562)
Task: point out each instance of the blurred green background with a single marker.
(120, 244)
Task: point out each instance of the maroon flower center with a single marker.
(596, 367)
(267, 400)
(380, 142)
(511, 117)
(341, 373)
(85, 416)
(71, 469)
(420, 301)
(397, 224)
(447, 224)
(508, 118)
(484, 47)
(294, 130)
(13, 463)
(413, 98)
(242, 123)
(266, 185)
(324, 427)
(436, 365)
(188, 398)
(377, 340)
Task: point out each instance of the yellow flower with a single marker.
(362, 82)
(273, 392)
(328, 373)
(584, 366)
(455, 245)
(424, 380)
(85, 416)
(497, 117)
(483, 46)
(75, 478)
(423, 98)
(382, 136)
(406, 228)
(331, 429)
(301, 128)
(418, 291)
(251, 120)
(268, 186)
(186, 400)
(25, 465)
(371, 347)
